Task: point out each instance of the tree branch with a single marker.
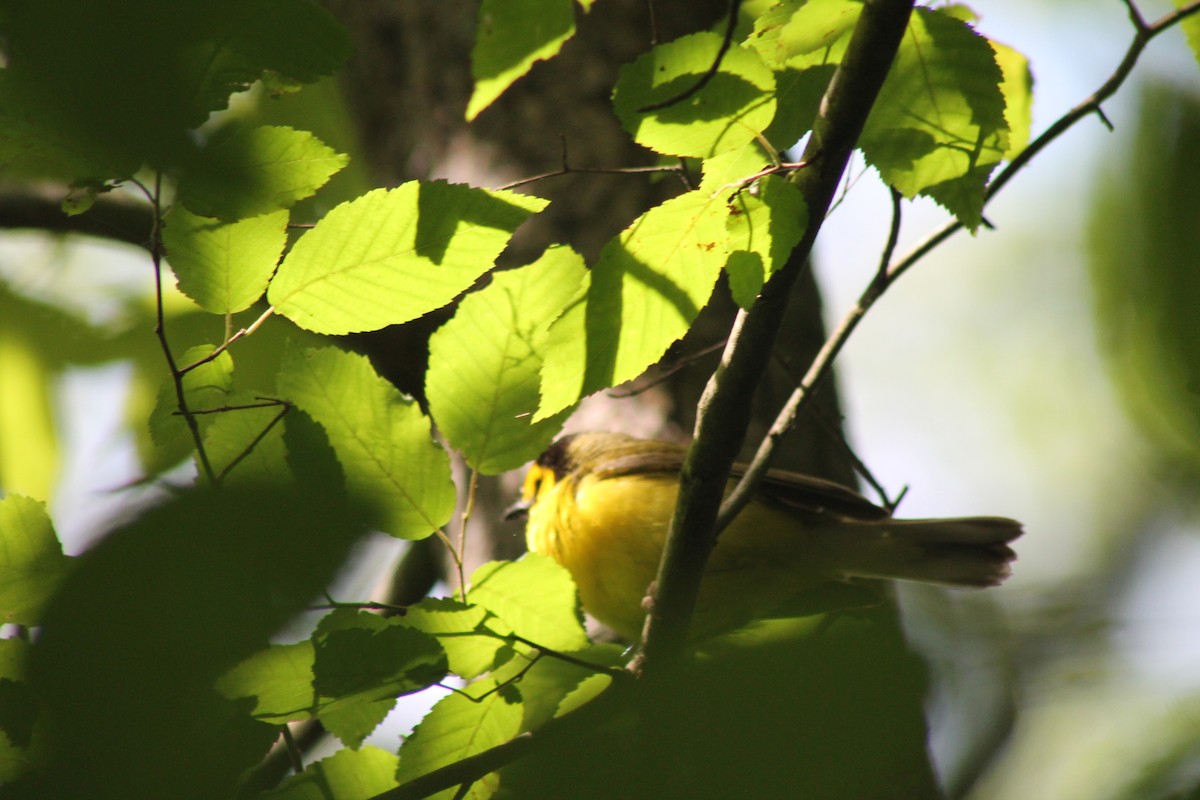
(724, 412)
(113, 216)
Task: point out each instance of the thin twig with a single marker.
(244, 332)
(254, 443)
(670, 369)
(468, 507)
(770, 169)
(160, 327)
(613, 672)
(730, 26)
(267, 402)
(333, 605)
(569, 170)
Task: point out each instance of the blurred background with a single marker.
(1047, 369)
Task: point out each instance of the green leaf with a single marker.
(29, 448)
(281, 42)
(1018, 96)
(801, 34)
(224, 267)
(459, 727)
(587, 690)
(457, 627)
(383, 441)
(394, 255)
(114, 85)
(485, 363)
(31, 560)
(767, 221)
(799, 96)
(733, 107)
(536, 597)
(549, 681)
(348, 676)
(247, 172)
(279, 679)
(360, 671)
(148, 620)
(511, 36)
(206, 387)
(939, 121)
(346, 775)
(387, 660)
(246, 442)
(642, 295)
(19, 741)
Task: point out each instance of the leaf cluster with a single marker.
(301, 447)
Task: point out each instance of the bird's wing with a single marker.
(804, 494)
(800, 494)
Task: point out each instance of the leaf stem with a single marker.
(160, 328)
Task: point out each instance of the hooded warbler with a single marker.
(600, 505)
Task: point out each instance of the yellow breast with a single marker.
(609, 534)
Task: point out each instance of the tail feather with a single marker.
(964, 552)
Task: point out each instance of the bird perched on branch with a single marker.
(600, 504)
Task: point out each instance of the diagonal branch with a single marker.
(724, 413)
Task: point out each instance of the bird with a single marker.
(600, 504)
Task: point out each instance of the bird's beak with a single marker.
(518, 510)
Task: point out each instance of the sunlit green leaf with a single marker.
(733, 107)
(393, 255)
(246, 442)
(766, 221)
(586, 691)
(205, 388)
(460, 629)
(535, 596)
(643, 293)
(510, 37)
(459, 727)
(551, 680)
(938, 127)
(28, 442)
(801, 34)
(279, 679)
(346, 775)
(383, 441)
(1018, 96)
(485, 363)
(224, 267)
(31, 560)
(247, 172)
